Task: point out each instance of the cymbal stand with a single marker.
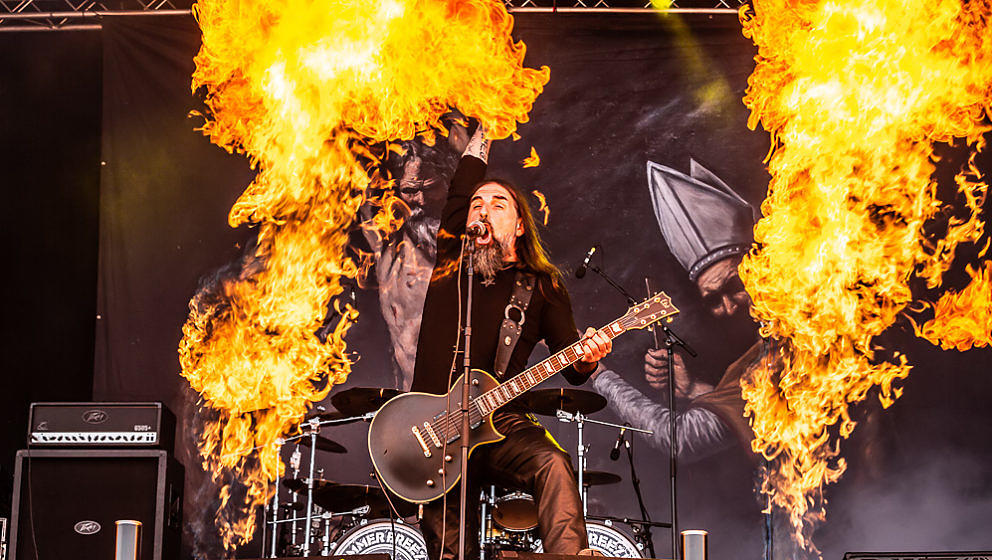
(271, 525)
(347, 420)
(294, 461)
(314, 428)
(580, 420)
(272, 509)
(486, 501)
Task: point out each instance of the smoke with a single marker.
(938, 500)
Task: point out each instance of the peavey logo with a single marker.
(95, 416)
(87, 527)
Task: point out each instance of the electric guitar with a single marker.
(411, 437)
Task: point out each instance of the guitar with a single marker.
(411, 436)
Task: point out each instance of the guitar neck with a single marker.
(491, 400)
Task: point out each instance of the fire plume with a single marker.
(854, 95)
(313, 92)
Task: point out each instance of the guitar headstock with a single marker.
(649, 312)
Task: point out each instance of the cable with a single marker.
(34, 537)
(394, 514)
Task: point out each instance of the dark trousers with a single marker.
(528, 460)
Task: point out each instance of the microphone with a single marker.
(615, 452)
(476, 229)
(585, 263)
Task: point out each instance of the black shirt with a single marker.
(548, 317)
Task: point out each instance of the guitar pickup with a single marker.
(420, 440)
(432, 434)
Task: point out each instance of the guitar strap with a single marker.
(510, 329)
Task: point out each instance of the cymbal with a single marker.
(338, 418)
(550, 401)
(346, 497)
(324, 444)
(599, 478)
(359, 400)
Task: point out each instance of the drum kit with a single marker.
(320, 517)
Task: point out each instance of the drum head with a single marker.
(515, 512)
(378, 536)
(607, 539)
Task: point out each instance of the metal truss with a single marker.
(77, 15)
(625, 6)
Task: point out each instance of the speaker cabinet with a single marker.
(66, 503)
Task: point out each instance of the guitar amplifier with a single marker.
(96, 425)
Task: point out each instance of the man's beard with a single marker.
(422, 230)
(489, 259)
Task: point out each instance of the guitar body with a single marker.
(416, 450)
(399, 455)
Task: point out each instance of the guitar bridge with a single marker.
(420, 440)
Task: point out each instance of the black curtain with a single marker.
(623, 90)
(49, 164)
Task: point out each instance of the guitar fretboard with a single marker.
(489, 401)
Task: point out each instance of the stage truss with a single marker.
(83, 15)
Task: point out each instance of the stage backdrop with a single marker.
(625, 90)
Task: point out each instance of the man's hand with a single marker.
(656, 374)
(596, 346)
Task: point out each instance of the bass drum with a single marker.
(377, 537)
(607, 539)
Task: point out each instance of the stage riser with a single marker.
(918, 555)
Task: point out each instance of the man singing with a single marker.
(511, 267)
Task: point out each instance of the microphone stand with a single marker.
(640, 499)
(466, 423)
(671, 340)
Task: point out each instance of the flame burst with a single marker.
(854, 94)
(963, 320)
(312, 92)
(533, 160)
(543, 205)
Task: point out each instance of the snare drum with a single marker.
(515, 512)
(377, 536)
(609, 540)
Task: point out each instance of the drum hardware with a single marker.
(508, 522)
(580, 419)
(362, 400)
(599, 478)
(609, 540)
(336, 497)
(549, 401)
(515, 512)
(639, 527)
(394, 537)
(360, 511)
(310, 438)
(324, 444)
